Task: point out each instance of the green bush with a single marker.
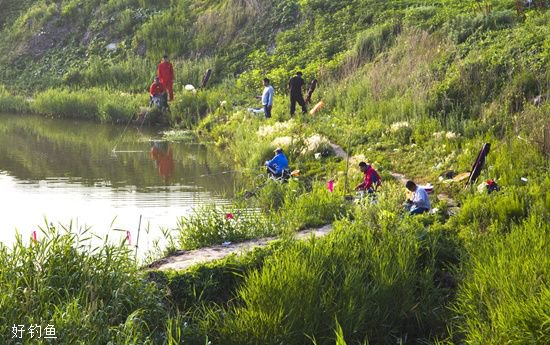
(212, 283)
(66, 104)
(91, 104)
(496, 211)
(209, 225)
(312, 208)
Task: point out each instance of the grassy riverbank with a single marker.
(379, 277)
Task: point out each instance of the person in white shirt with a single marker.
(267, 98)
(420, 201)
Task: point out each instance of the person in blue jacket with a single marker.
(278, 164)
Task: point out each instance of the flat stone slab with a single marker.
(184, 259)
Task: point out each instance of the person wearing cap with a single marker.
(420, 201)
(278, 164)
(371, 181)
(295, 85)
(165, 72)
(157, 89)
(267, 98)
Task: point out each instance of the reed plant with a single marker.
(88, 294)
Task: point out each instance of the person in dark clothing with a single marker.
(295, 85)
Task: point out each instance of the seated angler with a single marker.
(372, 180)
(157, 90)
(278, 165)
(420, 201)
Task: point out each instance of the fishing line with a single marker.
(121, 135)
(223, 172)
(114, 150)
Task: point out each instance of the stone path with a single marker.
(182, 260)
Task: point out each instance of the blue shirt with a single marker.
(420, 199)
(278, 163)
(267, 96)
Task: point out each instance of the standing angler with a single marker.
(267, 98)
(295, 85)
(166, 75)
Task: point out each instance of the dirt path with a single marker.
(185, 259)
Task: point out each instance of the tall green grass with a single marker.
(305, 209)
(92, 104)
(10, 103)
(505, 295)
(93, 295)
(210, 225)
(378, 280)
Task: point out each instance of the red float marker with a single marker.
(330, 185)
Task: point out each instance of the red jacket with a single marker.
(157, 89)
(165, 72)
(371, 177)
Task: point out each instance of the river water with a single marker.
(101, 176)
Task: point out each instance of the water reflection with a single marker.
(67, 170)
(161, 154)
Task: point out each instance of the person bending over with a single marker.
(420, 201)
(371, 181)
(157, 90)
(278, 164)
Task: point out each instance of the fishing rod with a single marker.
(128, 238)
(347, 166)
(114, 150)
(139, 231)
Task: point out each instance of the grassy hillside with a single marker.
(412, 86)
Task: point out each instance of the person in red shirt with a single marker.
(372, 180)
(157, 90)
(166, 75)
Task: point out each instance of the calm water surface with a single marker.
(67, 171)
